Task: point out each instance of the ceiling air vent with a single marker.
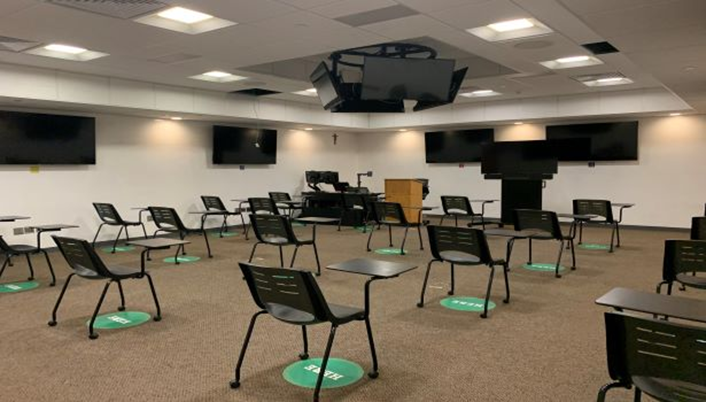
(174, 58)
(8, 44)
(600, 48)
(255, 92)
(123, 9)
(375, 16)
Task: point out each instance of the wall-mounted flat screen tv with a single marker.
(46, 139)
(244, 146)
(456, 146)
(519, 159)
(605, 141)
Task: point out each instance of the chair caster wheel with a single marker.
(234, 384)
(52, 323)
(450, 293)
(373, 374)
(420, 305)
(31, 278)
(318, 274)
(93, 336)
(121, 308)
(158, 318)
(506, 301)
(52, 284)
(557, 276)
(484, 316)
(303, 356)
(210, 256)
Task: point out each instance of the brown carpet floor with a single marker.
(546, 345)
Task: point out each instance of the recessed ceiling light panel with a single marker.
(66, 52)
(218, 77)
(307, 92)
(512, 29)
(603, 80)
(184, 20)
(480, 93)
(571, 62)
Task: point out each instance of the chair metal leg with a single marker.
(208, 245)
(374, 372)
(294, 256)
(573, 254)
(91, 334)
(144, 230)
(404, 240)
(558, 260)
(236, 382)
(612, 238)
(318, 264)
(424, 285)
(324, 363)
(31, 268)
(389, 230)
(96, 236)
(127, 233)
(122, 296)
(638, 395)
(604, 389)
(115, 242)
(281, 257)
(529, 261)
(669, 288)
(455, 220)
(158, 317)
(58, 301)
(453, 280)
(617, 233)
(51, 268)
(370, 237)
(419, 232)
(507, 284)
(487, 293)
(252, 253)
(441, 223)
(580, 232)
(5, 264)
(305, 354)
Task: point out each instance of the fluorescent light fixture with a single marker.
(511, 29)
(66, 52)
(184, 20)
(571, 62)
(184, 15)
(480, 93)
(603, 80)
(519, 123)
(307, 92)
(65, 49)
(512, 25)
(402, 130)
(176, 118)
(675, 114)
(218, 77)
(309, 129)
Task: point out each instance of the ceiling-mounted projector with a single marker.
(392, 73)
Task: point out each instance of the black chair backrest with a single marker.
(259, 205)
(279, 196)
(274, 287)
(107, 213)
(81, 256)
(594, 207)
(698, 228)
(354, 201)
(266, 226)
(453, 204)
(389, 212)
(647, 347)
(466, 240)
(682, 256)
(211, 202)
(534, 219)
(4, 247)
(166, 218)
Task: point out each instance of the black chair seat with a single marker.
(346, 313)
(305, 242)
(119, 272)
(299, 317)
(132, 223)
(670, 390)
(459, 257)
(276, 240)
(693, 281)
(22, 248)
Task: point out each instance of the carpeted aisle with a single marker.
(546, 345)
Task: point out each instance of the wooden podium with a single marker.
(406, 192)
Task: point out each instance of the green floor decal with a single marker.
(364, 229)
(122, 319)
(339, 373)
(543, 267)
(589, 246)
(225, 234)
(390, 251)
(18, 287)
(466, 304)
(118, 249)
(296, 224)
(182, 258)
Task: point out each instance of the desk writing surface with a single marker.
(159, 242)
(370, 267)
(12, 218)
(53, 227)
(210, 212)
(653, 303)
(622, 204)
(579, 217)
(518, 234)
(316, 219)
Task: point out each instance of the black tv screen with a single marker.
(459, 146)
(604, 141)
(46, 139)
(326, 86)
(244, 146)
(414, 79)
(519, 159)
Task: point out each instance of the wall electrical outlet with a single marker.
(18, 231)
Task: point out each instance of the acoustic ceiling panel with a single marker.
(123, 9)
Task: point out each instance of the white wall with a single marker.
(666, 183)
(143, 161)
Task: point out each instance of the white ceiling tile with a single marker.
(240, 11)
(478, 14)
(430, 6)
(307, 4)
(347, 7)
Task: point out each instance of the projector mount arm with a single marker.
(386, 50)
